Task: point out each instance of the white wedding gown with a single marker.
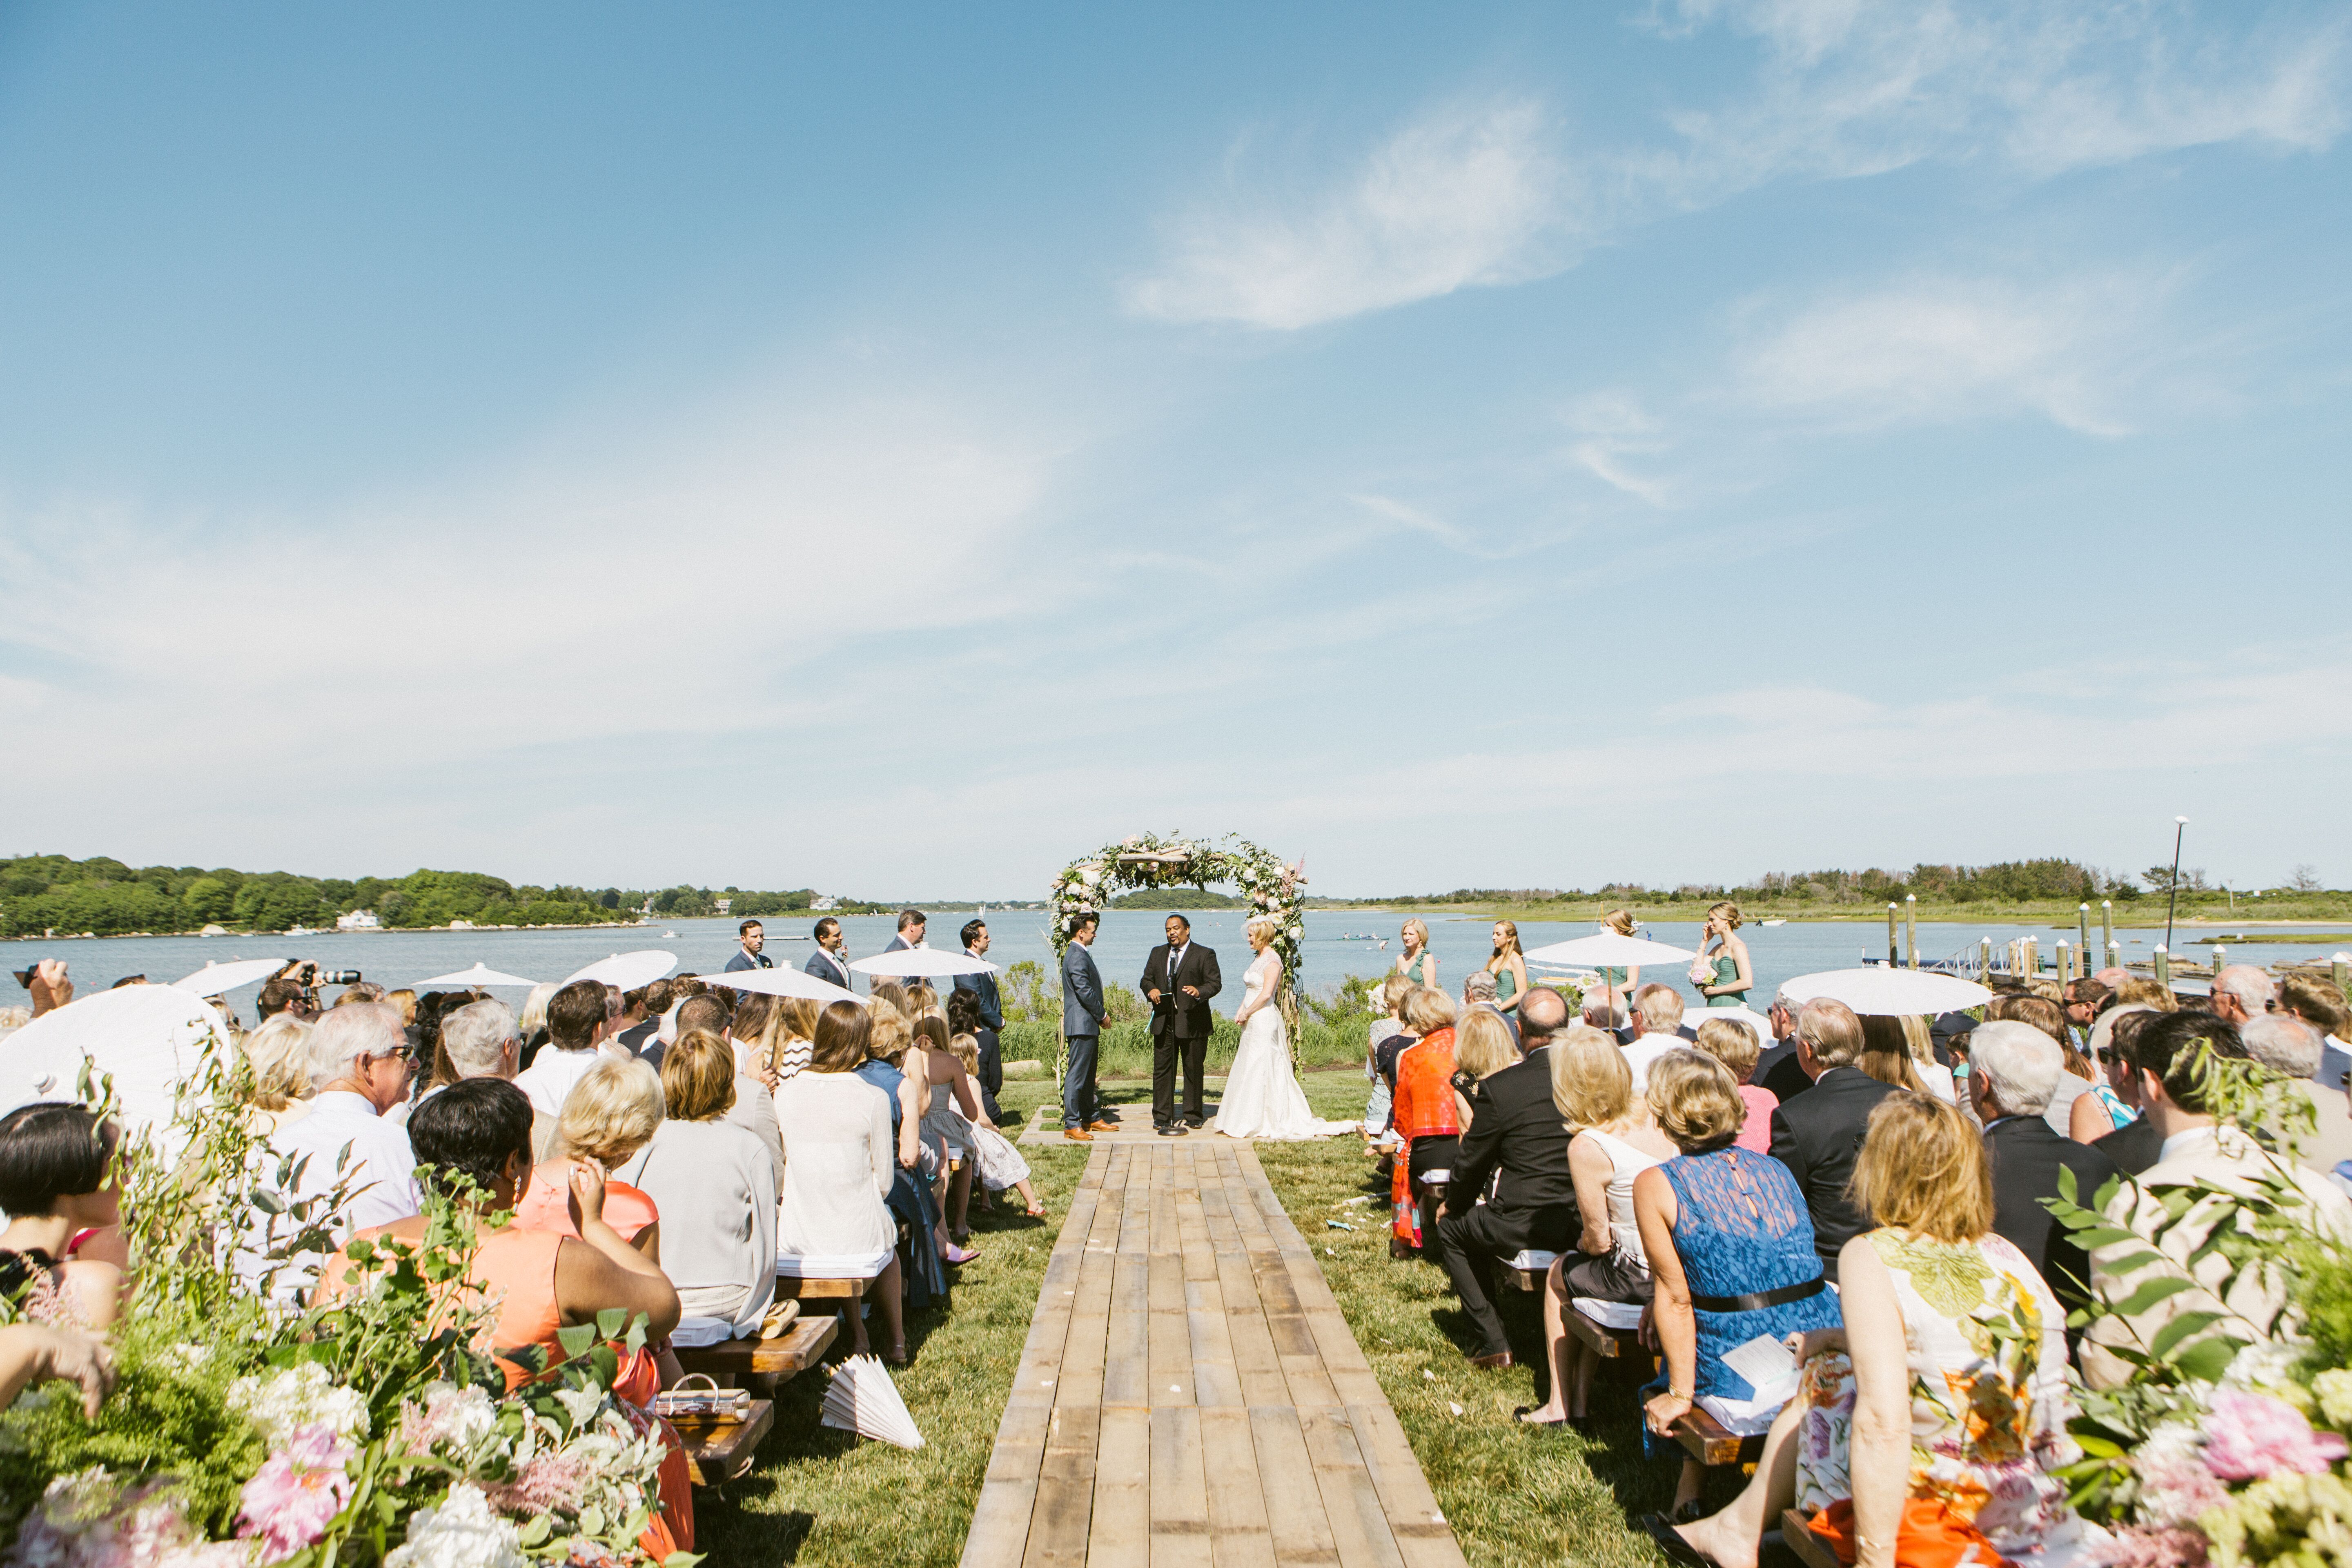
(1262, 1097)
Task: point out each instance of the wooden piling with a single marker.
(1893, 957)
(2107, 933)
(2163, 966)
(1984, 958)
(1911, 926)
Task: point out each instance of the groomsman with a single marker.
(912, 923)
(1083, 1010)
(748, 956)
(830, 961)
(992, 1009)
(1179, 978)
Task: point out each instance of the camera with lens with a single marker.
(25, 976)
(307, 973)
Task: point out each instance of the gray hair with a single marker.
(2253, 986)
(1662, 1009)
(345, 1035)
(1479, 982)
(476, 1037)
(2019, 1063)
(2278, 1041)
(534, 1006)
(1600, 1014)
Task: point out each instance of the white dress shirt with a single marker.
(550, 1075)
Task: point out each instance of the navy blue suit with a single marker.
(991, 1019)
(825, 966)
(1082, 1021)
(745, 960)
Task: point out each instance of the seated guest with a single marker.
(947, 1121)
(1479, 990)
(1732, 1042)
(783, 1044)
(2288, 1047)
(576, 1021)
(893, 1066)
(2243, 993)
(2319, 1004)
(2086, 998)
(1001, 1164)
(55, 1189)
(1515, 1135)
(1728, 1244)
(533, 1022)
(1393, 993)
(1607, 1015)
(1658, 1027)
(1776, 1066)
(1427, 1123)
(754, 1109)
(474, 1138)
(2012, 1067)
(1817, 1134)
(966, 1015)
(715, 1183)
(2199, 1154)
(611, 1113)
(1615, 1140)
(1481, 1049)
(2108, 1105)
(2136, 1144)
(278, 1052)
(1927, 1430)
(34, 1353)
(840, 1159)
(1886, 1055)
(359, 1068)
(2049, 1018)
(2154, 992)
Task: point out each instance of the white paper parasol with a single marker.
(924, 962)
(629, 970)
(480, 974)
(862, 1399)
(783, 982)
(1607, 950)
(1884, 992)
(147, 1036)
(1695, 1016)
(219, 979)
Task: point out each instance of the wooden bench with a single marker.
(1531, 1278)
(1704, 1439)
(793, 1353)
(1604, 1340)
(1811, 1548)
(720, 1451)
(791, 1287)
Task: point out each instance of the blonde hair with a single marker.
(1618, 921)
(890, 991)
(1918, 1036)
(279, 1051)
(1591, 1086)
(966, 1049)
(1511, 942)
(534, 1008)
(1732, 1042)
(1265, 923)
(1696, 1105)
(1885, 1056)
(697, 1077)
(611, 1113)
(2150, 992)
(922, 999)
(1415, 926)
(1728, 910)
(1922, 1169)
(891, 1034)
(1428, 1009)
(1395, 989)
(405, 1000)
(1482, 1044)
(933, 1031)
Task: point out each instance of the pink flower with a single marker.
(550, 1483)
(2139, 1547)
(298, 1491)
(2251, 1437)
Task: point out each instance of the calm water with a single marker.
(1461, 943)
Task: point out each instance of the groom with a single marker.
(1179, 978)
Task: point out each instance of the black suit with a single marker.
(2134, 1146)
(1180, 1027)
(1518, 1139)
(1817, 1136)
(2026, 1156)
(992, 1054)
(1777, 1071)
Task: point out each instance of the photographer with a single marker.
(295, 989)
(47, 983)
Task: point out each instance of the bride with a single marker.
(1262, 1097)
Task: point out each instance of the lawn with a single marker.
(1515, 1495)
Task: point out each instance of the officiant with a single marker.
(1179, 978)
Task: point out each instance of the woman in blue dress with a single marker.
(1730, 1246)
(911, 1197)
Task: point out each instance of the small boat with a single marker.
(1776, 921)
(667, 934)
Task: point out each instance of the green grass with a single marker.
(1514, 1495)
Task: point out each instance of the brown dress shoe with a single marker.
(1102, 1126)
(1495, 1363)
(1077, 1135)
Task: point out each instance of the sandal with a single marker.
(1522, 1412)
(1671, 1542)
(1037, 1212)
(896, 1354)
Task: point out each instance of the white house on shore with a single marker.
(358, 919)
(825, 903)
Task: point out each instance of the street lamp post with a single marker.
(2172, 894)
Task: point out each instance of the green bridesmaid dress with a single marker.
(1727, 970)
(1417, 971)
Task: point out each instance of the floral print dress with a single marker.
(1987, 1346)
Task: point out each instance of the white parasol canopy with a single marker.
(1695, 1016)
(924, 962)
(1885, 991)
(480, 974)
(148, 1036)
(219, 979)
(629, 970)
(1607, 950)
(783, 982)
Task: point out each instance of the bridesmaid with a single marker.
(1620, 921)
(1723, 978)
(1416, 962)
(1509, 970)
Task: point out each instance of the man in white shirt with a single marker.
(577, 1020)
(1658, 1024)
(359, 1062)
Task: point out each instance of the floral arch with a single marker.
(1148, 860)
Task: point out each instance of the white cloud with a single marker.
(1939, 349)
(1456, 200)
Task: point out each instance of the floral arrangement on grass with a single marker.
(1268, 885)
(362, 1429)
(2226, 1444)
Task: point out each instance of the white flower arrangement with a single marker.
(300, 1395)
(463, 1533)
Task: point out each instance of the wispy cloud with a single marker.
(1465, 198)
(1457, 199)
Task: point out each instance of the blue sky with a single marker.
(896, 451)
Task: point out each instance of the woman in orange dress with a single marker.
(1424, 1116)
(480, 1128)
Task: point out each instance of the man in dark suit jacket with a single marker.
(1777, 1069)
(1179, 978)
(1083, 1010)
(2134, 1146)
(830, 961)
(1518, 1139)
(1818, 1134)
(991, 1011)
(2014, 1069)
(754, 937)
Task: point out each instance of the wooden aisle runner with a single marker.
(1189, 1393)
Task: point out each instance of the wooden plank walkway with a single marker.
(1189, 1394)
